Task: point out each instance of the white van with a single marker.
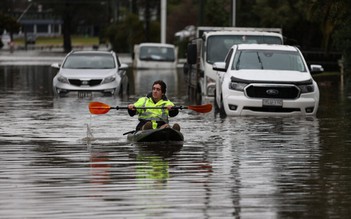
(154, 55)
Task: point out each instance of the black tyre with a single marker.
(222, 112)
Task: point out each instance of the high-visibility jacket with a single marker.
(156, 116)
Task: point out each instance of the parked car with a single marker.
(91, 71)
(260, 79)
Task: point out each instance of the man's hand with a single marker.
(131, 107)
(169, 107)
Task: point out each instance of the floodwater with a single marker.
(59, 161)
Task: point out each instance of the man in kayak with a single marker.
(154, 118)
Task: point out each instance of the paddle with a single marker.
(102, 108)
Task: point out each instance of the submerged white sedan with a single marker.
(90, 71)
(257, 79)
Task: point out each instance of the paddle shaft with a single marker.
(102, 108)
(149, 107)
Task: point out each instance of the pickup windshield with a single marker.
(268, 59)
(156, 53)
(218, 46)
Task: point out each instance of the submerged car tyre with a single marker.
(219, 107)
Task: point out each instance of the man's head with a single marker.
(162, 84)
(159, 89)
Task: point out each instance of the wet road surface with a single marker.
(59, 161)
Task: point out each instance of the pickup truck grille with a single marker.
(272, 91)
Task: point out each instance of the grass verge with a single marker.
(57, 41)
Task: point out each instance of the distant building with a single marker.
(42, 27)
(38, 22)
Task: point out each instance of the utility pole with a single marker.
(163, 20)
(233, 13)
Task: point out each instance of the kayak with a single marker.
(164, 135)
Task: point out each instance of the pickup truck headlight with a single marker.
(237, 86)
(306, 88)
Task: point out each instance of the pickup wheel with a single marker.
(222, 110)
(219, 107)
(215, 101)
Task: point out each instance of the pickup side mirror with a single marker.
(191, 54)
(219, 66)
(315, 69)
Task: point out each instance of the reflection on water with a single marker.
(59, 161)
(23, 79)
(143, 79)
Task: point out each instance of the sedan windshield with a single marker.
(268, 59)
(89, 61)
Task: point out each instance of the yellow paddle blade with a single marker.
(98, 108)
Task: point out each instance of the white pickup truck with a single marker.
(211, 45)
(257, 79)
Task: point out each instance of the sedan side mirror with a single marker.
(56, 65)
(123, 66)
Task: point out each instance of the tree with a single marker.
(328, 14)
(179, 16)
(291, 16)
(9, 24)
(149, 9)
(77, 12)
(123, 35)
(342, 30)
(217, 13)
(333, 18)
